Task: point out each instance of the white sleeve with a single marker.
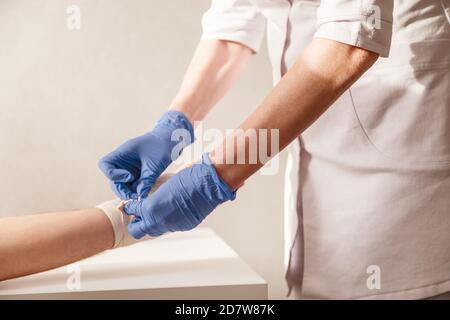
(362, 23)
(234, 20)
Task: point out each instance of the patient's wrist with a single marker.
(118, 219)
(113, 209)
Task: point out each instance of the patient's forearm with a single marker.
(30, 244)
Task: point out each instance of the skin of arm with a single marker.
(320, 75)
(214, 68)
(35, 243)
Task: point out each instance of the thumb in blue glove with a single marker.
(135, 165)
(181, 203)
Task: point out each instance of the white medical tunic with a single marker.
(367, 202)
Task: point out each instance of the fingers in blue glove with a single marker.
(113, 173)
(144, 186)
(137, 228)
(124, 190)
(133, 207)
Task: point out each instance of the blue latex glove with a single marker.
(135, 165)
(181, 203)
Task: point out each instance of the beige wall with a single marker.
(68, 97)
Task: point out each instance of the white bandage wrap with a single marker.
(119, 219)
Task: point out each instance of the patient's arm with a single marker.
(35, 243)
(30, 244)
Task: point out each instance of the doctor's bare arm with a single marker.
(214, 68)
(320, 75)
(35, 243)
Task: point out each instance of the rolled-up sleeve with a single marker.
(234, 20)
(362, 23)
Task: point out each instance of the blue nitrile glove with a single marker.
(135, 165)
(181, 203)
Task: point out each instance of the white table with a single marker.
(189, 265)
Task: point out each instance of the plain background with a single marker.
(69, 97)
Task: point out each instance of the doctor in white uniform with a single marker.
(368, 180)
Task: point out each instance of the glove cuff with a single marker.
(227, 192)
(176, 120)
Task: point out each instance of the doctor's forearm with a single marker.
(321, 74)
(214, 68)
